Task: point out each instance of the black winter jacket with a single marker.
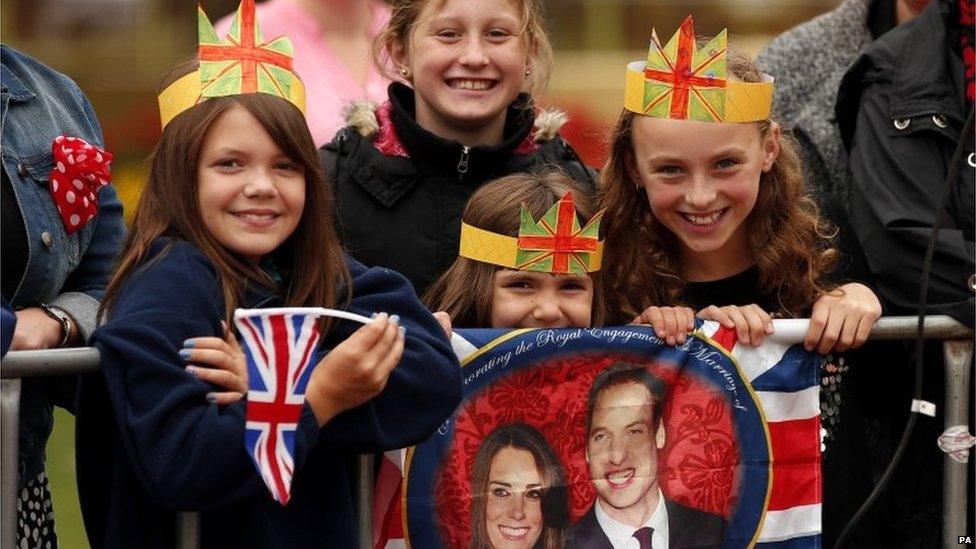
(400, 190)
(901, 109)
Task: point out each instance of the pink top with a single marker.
(329, 85)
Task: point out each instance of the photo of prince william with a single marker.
(624, 432)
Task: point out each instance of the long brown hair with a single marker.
(554, 501)
(406, 13)
(464, 291)
(169, 206)
(791, 244)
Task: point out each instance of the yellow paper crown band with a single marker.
(498, 249)
(744, 101)
(186, 93)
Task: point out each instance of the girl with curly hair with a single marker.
(711, 218)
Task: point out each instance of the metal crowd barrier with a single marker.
(957, 351)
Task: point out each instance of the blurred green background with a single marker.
(119, 50)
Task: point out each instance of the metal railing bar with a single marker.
(935, 327)
(793, 330)
(958, 357)
(188, 531)
(21, 364)
(364, 500)
(53, 362)
(10, 427)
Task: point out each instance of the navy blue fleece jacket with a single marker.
(149, 445)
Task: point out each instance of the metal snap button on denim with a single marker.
(902, 123)
(940, 120)
(46, 239)
(21, 169)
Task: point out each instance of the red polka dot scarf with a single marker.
(80, 170)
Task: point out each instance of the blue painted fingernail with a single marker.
(403, 330)
(374, 315)
(190, 343)
(395, 319)
(192, 370)
(185, 353)
(211, 398)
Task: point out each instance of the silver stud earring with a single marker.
(527, 72)
(403, 72)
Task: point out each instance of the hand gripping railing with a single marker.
(957, 351)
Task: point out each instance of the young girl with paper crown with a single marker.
(706, 210)
(461, 115)
(236, 213)
(706, 215)
(529, 258)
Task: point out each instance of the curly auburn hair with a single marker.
(791, 244)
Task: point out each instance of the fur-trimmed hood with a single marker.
(364, 117)
(400, 189)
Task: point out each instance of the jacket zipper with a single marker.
(462, 166)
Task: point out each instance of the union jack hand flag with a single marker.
(279, 345)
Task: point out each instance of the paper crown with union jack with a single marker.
(681, 81)
(241, 63)
(556, 243)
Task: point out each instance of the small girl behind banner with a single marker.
(529, 258)
(513, 270)
(236, 213)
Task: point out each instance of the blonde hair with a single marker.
(406, 14)
(464, 291)
(790, 243)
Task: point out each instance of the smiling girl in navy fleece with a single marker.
(236, 213)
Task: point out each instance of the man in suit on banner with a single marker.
(624, 433)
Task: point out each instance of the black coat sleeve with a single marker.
(897, 189)
(424, 388)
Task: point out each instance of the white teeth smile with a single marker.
(470, 84)
(256, 217)
(620, 477)
(703, 219)
(511, 532)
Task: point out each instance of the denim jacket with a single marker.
(71, 272)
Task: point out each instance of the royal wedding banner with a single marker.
(590, 437)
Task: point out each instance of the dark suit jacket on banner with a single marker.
(688, 529)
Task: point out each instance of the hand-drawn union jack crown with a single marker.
(556, 243)
(241, 63)
(682, 82)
